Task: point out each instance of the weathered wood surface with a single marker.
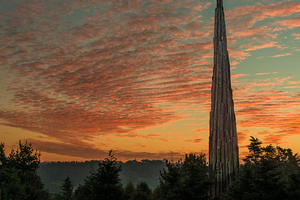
(223, 145)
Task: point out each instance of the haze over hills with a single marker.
(53, 173)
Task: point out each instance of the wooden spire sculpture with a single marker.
(223, 145)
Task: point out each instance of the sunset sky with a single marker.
(81, 77)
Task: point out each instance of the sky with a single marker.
(81, 77)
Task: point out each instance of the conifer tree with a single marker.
(18, 174)
(67, 189)
(103, 184)
(129, 192)
(267, 173)
(143, 192)
(184, 180)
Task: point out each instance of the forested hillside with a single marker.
(54, 173)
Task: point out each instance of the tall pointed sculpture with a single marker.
(223, 145)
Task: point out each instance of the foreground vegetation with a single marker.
(267, 173)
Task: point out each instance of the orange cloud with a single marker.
(290, 23)
(281, 55)
(297, 36)
(93, 153)
(263, 46)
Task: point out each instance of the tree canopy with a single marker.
(67, 189)
(18, 177)
(103, 184)
(184, 180)
(269, 172)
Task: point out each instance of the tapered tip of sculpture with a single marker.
(219, 3)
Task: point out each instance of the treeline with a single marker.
(268, 172)
(53, 173)
(18, 177)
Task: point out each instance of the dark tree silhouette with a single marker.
(143, 192)
(67, 189)
(103, 184)
(184, 180)
(18, 174)
(129, 192)
(268, 173)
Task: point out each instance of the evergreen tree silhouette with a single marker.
(18, 174)
(129, 192)
(268, 173)
(67, 189)
(184, 180)
(143, 192)
(103, 184)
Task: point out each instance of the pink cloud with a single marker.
(267, 73)
(249, 15)
(281, 55)
(297, 36)
(290, 23)
(263, 46)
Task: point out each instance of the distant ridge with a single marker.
(53, 173)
